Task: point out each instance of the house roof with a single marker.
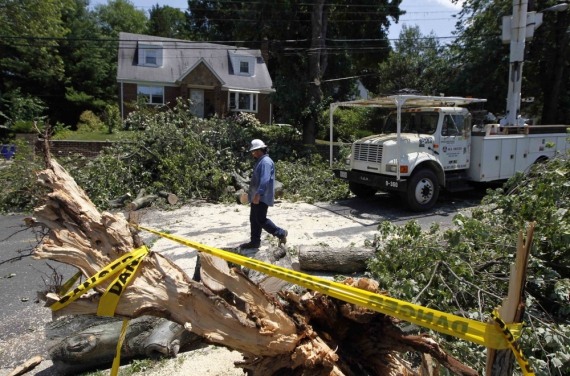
(180, 57)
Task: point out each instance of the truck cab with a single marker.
(433, 141)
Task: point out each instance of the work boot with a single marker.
(250, 245)
(283, 238)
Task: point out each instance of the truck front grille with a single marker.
(368, 153)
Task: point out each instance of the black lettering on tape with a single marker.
(116, 289)
(64, 299)
(376, 301)
(103, 273)
(460, 326)
(427, 317)
(442, 322)
(391, 305)
(407, 311)
(124, 277)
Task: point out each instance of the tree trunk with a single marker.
(78, 343)
(317, 66)
(342, 260)
(555, 81)
(311, 334)
(119, 202)
(171, 198)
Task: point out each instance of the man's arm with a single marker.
(264, 176)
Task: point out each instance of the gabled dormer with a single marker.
(243, 64)
(150, 54)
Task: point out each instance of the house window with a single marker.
(244, 67)
(153, 94)
(243, 101)
(150, 57)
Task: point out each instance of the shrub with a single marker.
(89, 122)
(310, 179)
(23, 126)
(350, 123)
(245, 119)
(20, 190)
(465, 269)
(18, 106)
(112, 117)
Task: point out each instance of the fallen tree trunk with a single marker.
(119, 202)
(81, 342)
(171, 198)
(143, 200)
(342, 260)
(312, 334)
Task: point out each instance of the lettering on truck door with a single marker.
(455, 142)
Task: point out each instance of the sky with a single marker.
(429, 15)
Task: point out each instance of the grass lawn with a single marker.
(96, 136)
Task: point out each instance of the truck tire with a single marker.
(423, 190)
(361, 190)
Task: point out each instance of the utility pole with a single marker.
(516, 30)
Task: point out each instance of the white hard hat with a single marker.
(257, 144)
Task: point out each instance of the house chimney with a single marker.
(265, 51)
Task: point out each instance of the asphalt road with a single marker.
(22, 316)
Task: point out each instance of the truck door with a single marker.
(455, 142)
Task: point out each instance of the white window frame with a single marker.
(146, 55)
(250, 66)
(241, 63)
(253, 101)
(150, 87)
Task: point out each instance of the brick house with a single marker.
(218, 79)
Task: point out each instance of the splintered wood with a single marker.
(308, 334)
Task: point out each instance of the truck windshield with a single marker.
(413, 122)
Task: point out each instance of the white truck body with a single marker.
(424, 149)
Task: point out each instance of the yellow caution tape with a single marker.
(513, 344)
(69, 284)
(102, 276)
(127, 266)
(117, 359)
(470, 330)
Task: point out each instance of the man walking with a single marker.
(261, 196)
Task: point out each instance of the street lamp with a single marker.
(516, 29)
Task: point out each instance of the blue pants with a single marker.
(258, 220)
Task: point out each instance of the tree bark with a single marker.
(554, 83)
(311, 334)
(78, 343)
(317, 66)
(171, 198)
(119, 202)
(342, 260)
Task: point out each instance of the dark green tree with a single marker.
(417, 62)
(168, 22)
(482, 60)
(310, 43)
(120, 16)
(28, 51)
(90, 61)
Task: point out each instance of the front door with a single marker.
(455, 142)
(197, 98)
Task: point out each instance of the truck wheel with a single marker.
(423, 190)
(361, 190)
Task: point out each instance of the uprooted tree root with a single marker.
(286, 334)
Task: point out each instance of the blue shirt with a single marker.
(263, 181)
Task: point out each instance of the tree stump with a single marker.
(342, 260)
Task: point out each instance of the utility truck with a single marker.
(429, 143)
